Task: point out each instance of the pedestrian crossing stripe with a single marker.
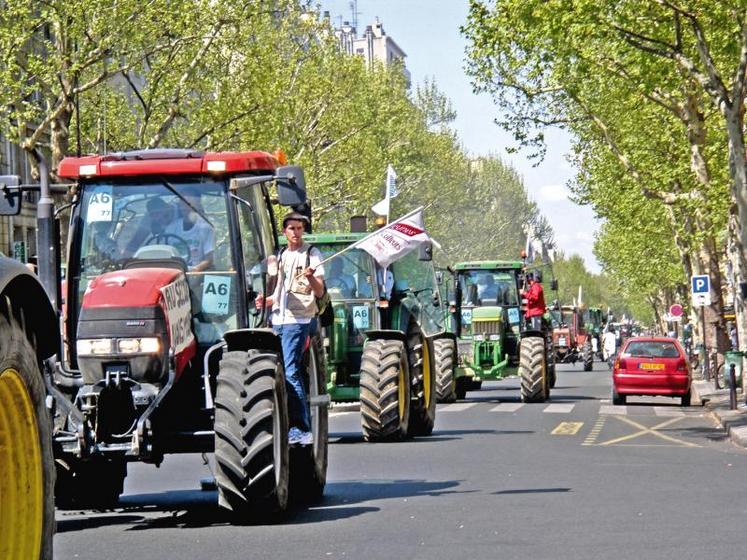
(507, 407)
(457, 407)
(567, 429)
(559, 408)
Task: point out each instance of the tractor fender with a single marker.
(252, 339)
(386, 335)
(24, 290)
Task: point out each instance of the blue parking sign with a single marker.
(701, 284)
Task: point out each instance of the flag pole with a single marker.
(353, 246)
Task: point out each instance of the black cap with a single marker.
(295, 216)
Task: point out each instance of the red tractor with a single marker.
(571, 341)
(163, 350)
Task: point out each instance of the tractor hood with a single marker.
(135, 317)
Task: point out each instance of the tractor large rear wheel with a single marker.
(251, 434)
(385, 390)
(27, 475)
(588, 354)
(308, 463)
(444, 353)
(533, 370)
(423, 401)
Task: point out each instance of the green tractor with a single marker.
(594, 319)
(387, 346)
(494, 339)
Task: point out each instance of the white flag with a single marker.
(391, 182)
(382, 207)
(395, 240)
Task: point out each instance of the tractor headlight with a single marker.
(494, 337)
(479, 337)
(94, 346)
(149, 345)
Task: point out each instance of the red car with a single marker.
(651, 366)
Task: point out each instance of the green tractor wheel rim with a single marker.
(426, 373)
(402, 393)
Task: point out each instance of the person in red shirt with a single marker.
(535, 301)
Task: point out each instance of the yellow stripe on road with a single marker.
(567, 429)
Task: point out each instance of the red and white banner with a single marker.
(396, 239)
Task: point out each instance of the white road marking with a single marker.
(559, 408)
(507, 407)
(456, 407)
(668, 411)
(613, 409)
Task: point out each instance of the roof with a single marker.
(166, 162)
(514, 265)
(343, 239)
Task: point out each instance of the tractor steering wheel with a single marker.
(179, 243)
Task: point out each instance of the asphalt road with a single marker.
(572, 478)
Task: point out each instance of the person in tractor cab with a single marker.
(338, 279)
(193, 228)
(535, 302)
(158, 216)
(300, 282)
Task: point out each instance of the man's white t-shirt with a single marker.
(200, 238)
(290, 260)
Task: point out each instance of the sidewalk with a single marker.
(717, 403)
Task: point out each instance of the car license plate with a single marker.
(651, 366)
(561, 341)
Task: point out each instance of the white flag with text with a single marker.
(396, 239)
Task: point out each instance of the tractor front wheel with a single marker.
(251, 434)
(588, 356)
(444, 351)
(384, 390)
(533, 370)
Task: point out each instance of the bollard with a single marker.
(733, 386)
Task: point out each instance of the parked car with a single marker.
(651, 366)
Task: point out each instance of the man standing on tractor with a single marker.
(294, 309)
(535, 302)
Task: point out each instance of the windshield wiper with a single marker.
(185, 201)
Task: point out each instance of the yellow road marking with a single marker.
(567, 429)
(644, 430)
(595, 431)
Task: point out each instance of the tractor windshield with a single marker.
(124, 224)
(348, 276)
(488, 287)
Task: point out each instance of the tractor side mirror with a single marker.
(291, 184)
(10, 197)
(554, 285)
(426, 252)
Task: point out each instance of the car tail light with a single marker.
(682, 365)
(620, 363)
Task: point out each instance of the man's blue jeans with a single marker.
(293, 338)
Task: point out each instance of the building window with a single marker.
(360, 51)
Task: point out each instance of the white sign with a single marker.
(178, 313)
(701, 290)
(100, 205)
(395, 240)
(361, 318)
(216, 292)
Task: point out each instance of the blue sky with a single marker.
(428, 31)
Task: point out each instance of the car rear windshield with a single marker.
(652, 349)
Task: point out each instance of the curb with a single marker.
(717, 404)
